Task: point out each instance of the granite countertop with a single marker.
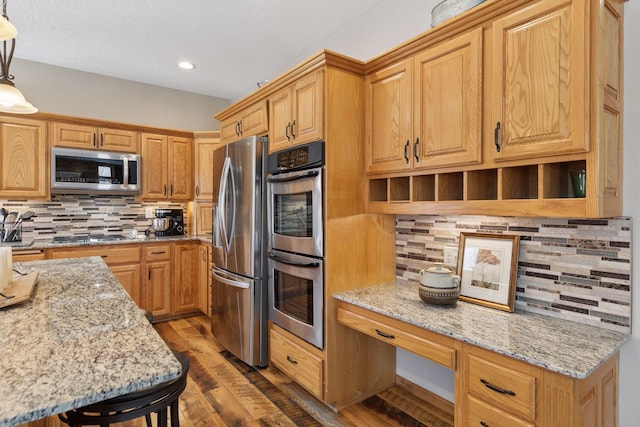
(562, 346)
(80, 339)
(44, 244)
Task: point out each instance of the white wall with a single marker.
(76, 93)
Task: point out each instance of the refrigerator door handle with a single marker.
(222, 207)
(228, 281)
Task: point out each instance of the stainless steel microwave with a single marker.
(76, 171)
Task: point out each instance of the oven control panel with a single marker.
(303, 157)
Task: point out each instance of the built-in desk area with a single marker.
(516, 369)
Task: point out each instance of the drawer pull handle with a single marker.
(290, 360)
(104, 256)
(483, 424)
(496, 137)
(385, 335)
(158, 253)
(498, 389)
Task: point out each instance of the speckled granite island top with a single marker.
(561, 346)
(81, 339)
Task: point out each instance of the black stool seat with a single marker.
(133, 405)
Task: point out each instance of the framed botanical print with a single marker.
(488, 266)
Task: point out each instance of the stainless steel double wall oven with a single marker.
(295, 254)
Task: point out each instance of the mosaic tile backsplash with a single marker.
(67, 215)
(574, 269)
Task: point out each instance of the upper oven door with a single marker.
(295, 212)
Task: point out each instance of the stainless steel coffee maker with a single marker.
(168, 222)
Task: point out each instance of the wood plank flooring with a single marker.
(223, 391)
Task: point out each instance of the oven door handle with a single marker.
(313, 264)
(303, 175)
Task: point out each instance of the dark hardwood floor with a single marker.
(224, 391)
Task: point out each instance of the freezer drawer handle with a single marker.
(230, 282)
(303, 175)
(312, 264)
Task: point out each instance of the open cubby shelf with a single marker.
(513, 184)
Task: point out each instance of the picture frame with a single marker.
(488, 266)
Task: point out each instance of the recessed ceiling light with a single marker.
(186, 65)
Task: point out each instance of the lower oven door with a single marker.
(296, 295)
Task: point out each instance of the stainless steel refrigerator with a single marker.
(239, 307)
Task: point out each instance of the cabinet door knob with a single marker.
(496, 137)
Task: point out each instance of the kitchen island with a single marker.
(510, 368)
(80, 339)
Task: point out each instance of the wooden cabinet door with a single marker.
(204, 145)
(448, 103)
(253, 120)
(203, 296)
(280, 120)
(229, 130)
(204, 219)
(129, 277)
(538, 81)
(158, 288)
(389, 130)
(23, 151)
(180, 167)
(118, 140)
(308, 109)
(186, 278)
(71, 135)
(154, 167)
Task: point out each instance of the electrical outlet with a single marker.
(450, 256)
(149, 212)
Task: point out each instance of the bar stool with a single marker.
(156, 399)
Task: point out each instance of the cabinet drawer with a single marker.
(295, 361)
(495, 383)
(157, 253)
(28, 255)
(400, 334)
(483, 414)
(111, 255)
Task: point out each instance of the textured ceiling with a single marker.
(234, 43)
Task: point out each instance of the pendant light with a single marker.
(11, 99)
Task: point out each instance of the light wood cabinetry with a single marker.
(123, 260)
(204, 218)
(88, 137)
(23, 159)
(186, 289)
(20, 255)
(167, 167)
(491, 388)
(204, 145)
(298, 359)
(252, 120)
(204, 266)
(296, 113)
(158, 279)
(424, 112)
(550, 76)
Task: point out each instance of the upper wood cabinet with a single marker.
(425, 111)
(539, 97)
(23, 159)
(90, 138)
(296, 113)
(204, 145)
(250, 121)
(167, 167)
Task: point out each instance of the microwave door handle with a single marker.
(313, 264)
(303, 175)
(125, 180)
(229, 281)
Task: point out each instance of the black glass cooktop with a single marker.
(89, 238)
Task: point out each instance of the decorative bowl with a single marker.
(439, 277)
(450, 8)
(439, 296)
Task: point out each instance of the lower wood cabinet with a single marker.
(186, 289)
(21, 255)
(129, 277)
(298, 359)
(204, 279)
(158, 279)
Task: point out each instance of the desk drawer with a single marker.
(424, 343)
(301, 364)
(480, 413)
(494, 382)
